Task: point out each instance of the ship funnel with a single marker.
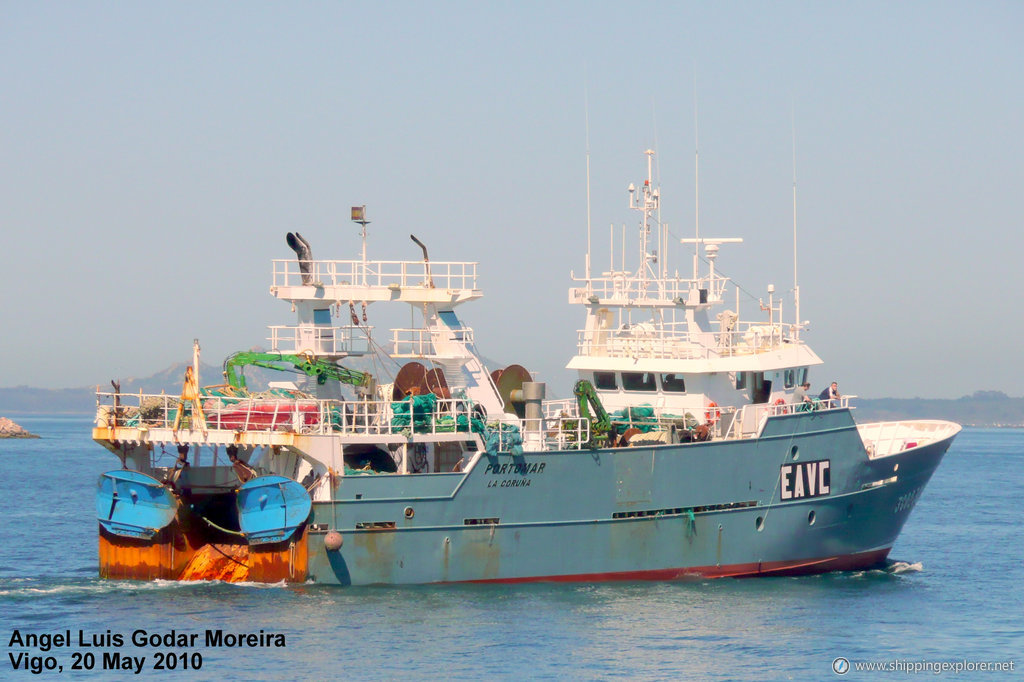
(304, 253)
(533, 395)
(533, 425)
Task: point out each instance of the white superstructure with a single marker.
(653, 338)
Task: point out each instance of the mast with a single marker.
(359, 216)
(796, 285)
(586, 107)
(195, 359)
(662, 251)
(696, 179)
(646, 201)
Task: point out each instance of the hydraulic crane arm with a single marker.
(587, 399)
(307, 363)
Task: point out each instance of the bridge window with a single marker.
(605, 381)
(741, 381)
(790, 378)
(638, 381)
(673, 383)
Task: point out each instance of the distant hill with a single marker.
(983, 408)
(83, 400)
(20, 399)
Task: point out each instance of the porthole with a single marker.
(794, 452)
(759, 524)
(811, 518)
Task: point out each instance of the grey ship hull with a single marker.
(804, 497)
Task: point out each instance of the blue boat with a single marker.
(271, 509)
(690, 446)
(134, 505)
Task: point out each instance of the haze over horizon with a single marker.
(156, 154)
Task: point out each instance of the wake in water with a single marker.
(898, 567)
(15, 588)
(891, 567)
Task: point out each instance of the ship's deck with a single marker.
(261, 420)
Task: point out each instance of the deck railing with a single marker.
(726, 423)
(557, 409)
(557, 433)
(560, 428)
(674, 340)
(747, 421)
(887, 438)
(623, 286)
(311, 416)
(320, 340)
(419, 342)
(289, 414)
(378, 273)
(567, 410)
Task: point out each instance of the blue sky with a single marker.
(155, 154)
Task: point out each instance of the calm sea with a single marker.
(954, 593)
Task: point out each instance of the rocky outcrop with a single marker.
(9, 429)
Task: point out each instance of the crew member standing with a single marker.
(800, 393)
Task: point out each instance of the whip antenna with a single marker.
(796, 286)
(696, 177)
(586, 117)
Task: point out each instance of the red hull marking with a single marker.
(846, 562)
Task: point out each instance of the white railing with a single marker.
(557, 409)
(419, 342)
(297, 415)
(621, 286)
(567, 410)
(674, 340)
(753, 337)
(376, 417)
(560, 428)
(747, 421)
(653, 343)
(147, 412)
(436, 274)
(560, 433)
(888, 438)
(320, 340)
(726, 423)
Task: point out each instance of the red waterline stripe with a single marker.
(846, 562)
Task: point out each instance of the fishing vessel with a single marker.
(684, 451)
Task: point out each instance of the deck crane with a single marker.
(307, 363)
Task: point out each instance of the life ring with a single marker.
(780, 405)
(712, 414)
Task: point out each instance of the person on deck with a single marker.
(800, 393)
(831, 392)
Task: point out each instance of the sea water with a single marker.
(953, 594)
